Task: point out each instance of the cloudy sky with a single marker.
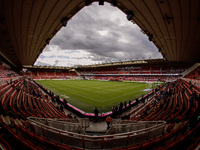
(97, 34)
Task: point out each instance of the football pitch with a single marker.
(88, 94)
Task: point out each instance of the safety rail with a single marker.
(129, 126)
(83, 122)
(67, 124)
(97, 142)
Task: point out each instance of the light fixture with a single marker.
(47, 41)
(5, 32)
(150, 37)
(88, 2)
(113, 3)
(101, 2)
(64, 21)
(130, 16)
(161, 1)
(167, 19)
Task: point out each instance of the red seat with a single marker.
(160, 148)
(51, 144)
(168, 135)
(147, 145)
(63, 147)
(158, 140)
(135, 147)
(38, 148)
(40, 139)
(5, 143)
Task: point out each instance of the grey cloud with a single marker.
(38, 63)
(82, 33)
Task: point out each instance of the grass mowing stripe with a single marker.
(87, 95)
(73, 91)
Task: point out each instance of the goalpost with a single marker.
(151, 85)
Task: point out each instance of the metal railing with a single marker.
(97, 142)
(61, 124)
(130, 126)
(84, 123)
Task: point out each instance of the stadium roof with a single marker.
(147, 62)
(48, 67)
(26, 27)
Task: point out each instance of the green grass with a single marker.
(86, 95)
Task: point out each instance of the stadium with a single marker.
(153, 103)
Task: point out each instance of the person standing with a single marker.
(137, 101)
(120, 107)
(116, 111)
(125, 105)
(96, 113)
(143, 99)
(113, 112)
(108, 120)
(65, 103)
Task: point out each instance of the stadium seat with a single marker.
(148, 144)
(63, 147)
(135, 147)
(5, 143)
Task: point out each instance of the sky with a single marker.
(97, 34)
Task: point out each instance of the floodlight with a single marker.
(47, 41)
(64, 22)
(130, 16)
(101, 2)
(88, 2)
(150, 37)
(113, 3)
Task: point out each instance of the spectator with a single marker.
(144, 114)
(113, 111)
(58, 99)
(120, 107)
(69, 115)
(61, 108)
(116, 110)
(53, 99)
(65, 102)
(147, 97)
(108, 120)
(125, 105)
(96, 113)
(75, 119)
(142, 99)
(137, 101)
(129, 102)
(125, 117)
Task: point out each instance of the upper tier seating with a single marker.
(195, 74)
(5, 72)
